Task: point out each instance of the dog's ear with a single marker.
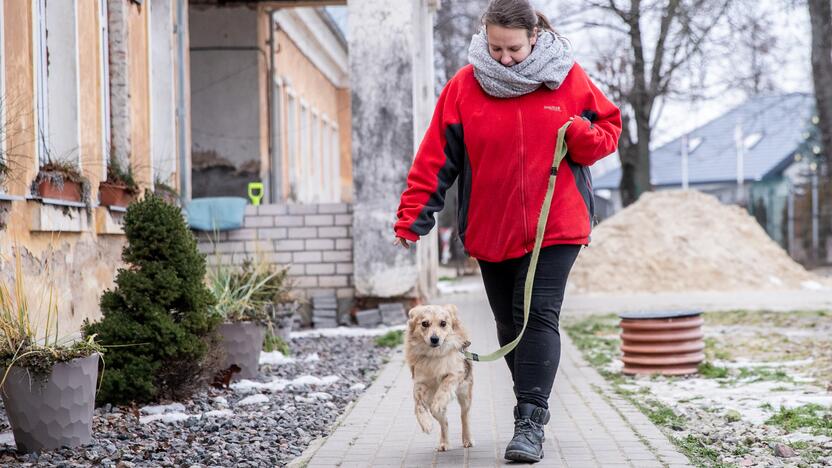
(413, 318)
(456, 324)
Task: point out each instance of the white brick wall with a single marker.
(314, 240)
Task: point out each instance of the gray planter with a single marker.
(55, 412)
(283, 318)
(242, 342)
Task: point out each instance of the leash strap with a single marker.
(560, 153)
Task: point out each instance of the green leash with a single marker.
(560, 152)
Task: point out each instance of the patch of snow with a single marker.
(303, 399)
(221, 401)
(746, 398)
(454, 287)
(166, 417)
(345, 331)
(775, 280)
(615, 366)
(6, 438)
(312, 380)
(320, 396)
(803, 437)
(741, 362)
(248, 386)
(160, 409)
(812, 285)
(253, 400)
(275, 358)
(218, 414)
(312, 358)
(358, 386)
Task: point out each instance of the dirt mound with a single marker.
(685, 241)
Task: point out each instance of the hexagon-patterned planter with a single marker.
(54, 412)
(243, 342)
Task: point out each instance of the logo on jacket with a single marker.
(552, 108)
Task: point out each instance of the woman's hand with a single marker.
(402, 241)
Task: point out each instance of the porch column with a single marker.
(391, 78)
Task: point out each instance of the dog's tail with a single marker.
(424, 419)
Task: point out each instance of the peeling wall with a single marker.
(80, 264)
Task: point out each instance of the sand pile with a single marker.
(685, 241)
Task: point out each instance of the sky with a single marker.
(793, 32)
(678, 117)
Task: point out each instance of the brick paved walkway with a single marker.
(590, 425)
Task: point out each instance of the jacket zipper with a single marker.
(522, 181)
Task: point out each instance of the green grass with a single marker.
(275, 343)
(390, 339)
(807, 452)
(661, 414)
(597, 338)
(756, 374)
(763, 317)
(699, 452)
(714, 351)
(710, 371)
(816, 418)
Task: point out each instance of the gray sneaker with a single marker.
(527, 443)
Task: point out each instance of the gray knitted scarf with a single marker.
(549, 63)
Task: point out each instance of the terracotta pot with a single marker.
(114, 194)
(242, 343)
(656, 344)
(71, 191)
(53, 413)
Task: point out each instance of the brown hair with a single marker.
(515, 14)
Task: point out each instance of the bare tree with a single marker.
(662, 49)
(456, 22)
(820, 15)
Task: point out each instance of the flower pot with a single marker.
(54, 412)
(70, 191)
(114, 194)
(283, 318)
(242, 343)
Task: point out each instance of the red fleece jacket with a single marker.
(501, 152)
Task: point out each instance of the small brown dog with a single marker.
(434, 340)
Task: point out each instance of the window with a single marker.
(317, 169)
(326, 154)
(305, 156)
(2, 92)
(56, 63)
(335, 144)
(104, 48)
(292, 145)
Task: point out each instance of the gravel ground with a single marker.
(266, 426)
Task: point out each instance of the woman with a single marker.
(495, 128)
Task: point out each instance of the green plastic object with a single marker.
(255, 192)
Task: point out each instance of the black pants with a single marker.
(534, 362)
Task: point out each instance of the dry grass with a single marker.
(20, 342)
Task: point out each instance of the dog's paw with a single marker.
(467, 443)
(424, 421)
(442, 447)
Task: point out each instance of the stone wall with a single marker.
(313, 240)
